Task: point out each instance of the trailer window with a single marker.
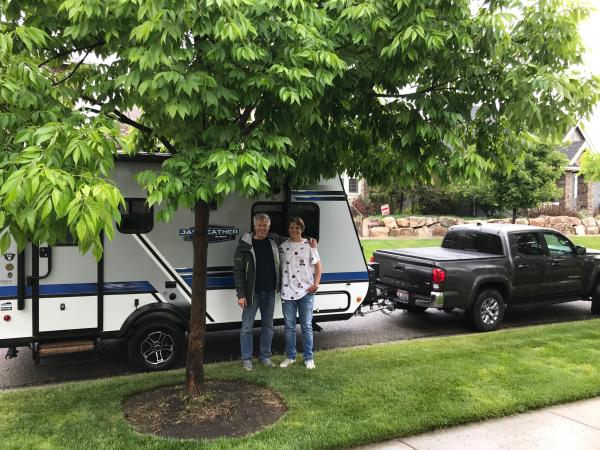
(136, 217)
(473, 241)
(280, 216)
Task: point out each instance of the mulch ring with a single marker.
(228, 408)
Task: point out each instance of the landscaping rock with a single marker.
(589, 222)
(364, 229)
(373, 222)
(379, 232)
(522, 221)
(573, 220)
(579, 230)
(448, 221)
(557, 220)
(423, 232)
(403, 222)
(475, 221)
(564, 228)
(541, 221)
(390, 222)
(431, 220)
(592, 230)
(438, 230)
(416, 222)
(404, 232)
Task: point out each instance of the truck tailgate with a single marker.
(410, 268)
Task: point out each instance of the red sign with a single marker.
(385, 209)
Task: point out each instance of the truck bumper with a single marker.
(436, 300)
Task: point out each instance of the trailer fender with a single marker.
(155, 312)
(498, 283)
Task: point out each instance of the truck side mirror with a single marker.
(579, 250)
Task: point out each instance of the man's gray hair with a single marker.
(261, 217)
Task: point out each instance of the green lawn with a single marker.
(370, 245)
(355, 396)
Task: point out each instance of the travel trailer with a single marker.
(56, 300)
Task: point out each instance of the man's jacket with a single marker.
(244, 265)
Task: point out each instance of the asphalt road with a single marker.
(111, 358)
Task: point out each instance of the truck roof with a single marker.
(495, 228)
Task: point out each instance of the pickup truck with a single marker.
(485, 268)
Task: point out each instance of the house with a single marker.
(578, 193)
(354, 187)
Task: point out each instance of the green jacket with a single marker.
(244, 265)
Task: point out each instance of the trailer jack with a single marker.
(11, 353)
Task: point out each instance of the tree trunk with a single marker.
(194, 369)
(514, 215)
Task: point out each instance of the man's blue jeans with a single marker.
(304, 308)
(265, 301)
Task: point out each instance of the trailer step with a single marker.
(62, 348)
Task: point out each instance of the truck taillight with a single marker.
(438, 275)
(372, 259)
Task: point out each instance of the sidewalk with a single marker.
(564, 427)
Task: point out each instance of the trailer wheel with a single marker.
(156, 346)
(596, 299)
(487, 311)
(416, 309)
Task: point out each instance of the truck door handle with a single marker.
(555, 263)
(522, 266)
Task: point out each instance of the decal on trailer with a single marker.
(216, 233)
(6, 306)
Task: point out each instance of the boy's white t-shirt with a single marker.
(297, 268)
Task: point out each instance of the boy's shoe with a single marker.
(267, 362)
(287, 362)
(310, 364)
(247, 363)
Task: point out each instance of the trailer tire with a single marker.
(156, 346)
(596, 299)
(487, 311)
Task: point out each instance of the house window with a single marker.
(136, 217)
(575, 182)
(352, 186)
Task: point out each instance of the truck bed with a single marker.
(437, 254)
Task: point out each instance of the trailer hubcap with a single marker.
(489, 311)
(157, 348)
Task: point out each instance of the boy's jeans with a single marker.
(304, 308)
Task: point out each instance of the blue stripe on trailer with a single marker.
(223, 280)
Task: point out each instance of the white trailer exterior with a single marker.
(56, 300)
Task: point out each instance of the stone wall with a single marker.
(426, 226)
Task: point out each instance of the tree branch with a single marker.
(56, 83)
(128, 121)
(76, 49)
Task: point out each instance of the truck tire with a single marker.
(156, 346)
(596, 299)
(488, 310)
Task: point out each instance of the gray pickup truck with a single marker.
(486, 268)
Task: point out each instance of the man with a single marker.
(256, 271)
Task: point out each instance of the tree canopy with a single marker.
(245, 93)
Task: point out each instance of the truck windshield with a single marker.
(473, 241)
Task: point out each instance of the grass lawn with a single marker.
(355, 396)
(370, 245)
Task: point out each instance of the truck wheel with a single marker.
(416, 309)
(487, 311)
(596, 299)
(156, 346)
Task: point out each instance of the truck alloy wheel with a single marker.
(156, 346)
(488, 310)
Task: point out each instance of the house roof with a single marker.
(572, 151)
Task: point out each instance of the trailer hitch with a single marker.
(383, 305)
(11, 353)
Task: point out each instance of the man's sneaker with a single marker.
(287, 362)
(267, 362)
(310, 364)
(247, 364)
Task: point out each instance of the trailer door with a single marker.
(66, 291)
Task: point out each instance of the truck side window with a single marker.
(136, 217)
(473, 241)
(558, 245)
(528, 244)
